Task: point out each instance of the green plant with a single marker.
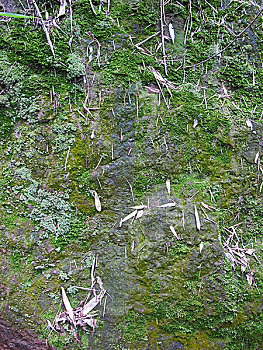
(15, 15)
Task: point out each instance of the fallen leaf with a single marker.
(198, 225)
(97, 201)
(201, 247)
(171, 32)
(174, 232)
(195, 123)
(167, 205)
(62, 8)
(231, 259)
(139, 214)
(249, 124)
(128, 217)
(139, 207)
(92, 303)
(68, 306)
(249, 278)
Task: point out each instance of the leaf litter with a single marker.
(83, 315)
(239, 255)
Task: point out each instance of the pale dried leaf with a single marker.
(168, 186)
(197, 219)
(231, 259)
(195, 123)
(92, 303)
(201, 247)
(68, 306)
(99, 281)
(139, 207)
(128, 217)
(90, 322)
(243, 268)
(62, 8)
(152, 90)
(97, 201)
(92, 134)
(249, 124)
(171, 32)
(249, 278)
(50, 326)
(139, 214)
(174, 232)
(172, 204)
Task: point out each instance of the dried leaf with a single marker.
(249, 124)
(62, 8)
(97, 201)
(50, 326)
(68, 306)
(139, 207)
(195, 123)
(171, 32)
(152, 90)
(174, 232)
(250, 251)
(99, 281)
(198, 225)
(128, 217)
(172, 204)
(231, 259)
(139, 214)
(168, 186)
(90, 322)
(92, 303)
(201, 247)
(92, 134)
(249, 278)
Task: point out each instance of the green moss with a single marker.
(133, 327)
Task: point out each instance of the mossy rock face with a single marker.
(94, 118)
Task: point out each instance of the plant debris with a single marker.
(83, 315)
(239, 255)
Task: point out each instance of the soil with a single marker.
(12, 338)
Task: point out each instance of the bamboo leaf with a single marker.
(198, 225)
(68, 306)
(174, 232)
(167, 205)
(97, 201)
(171, 31)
